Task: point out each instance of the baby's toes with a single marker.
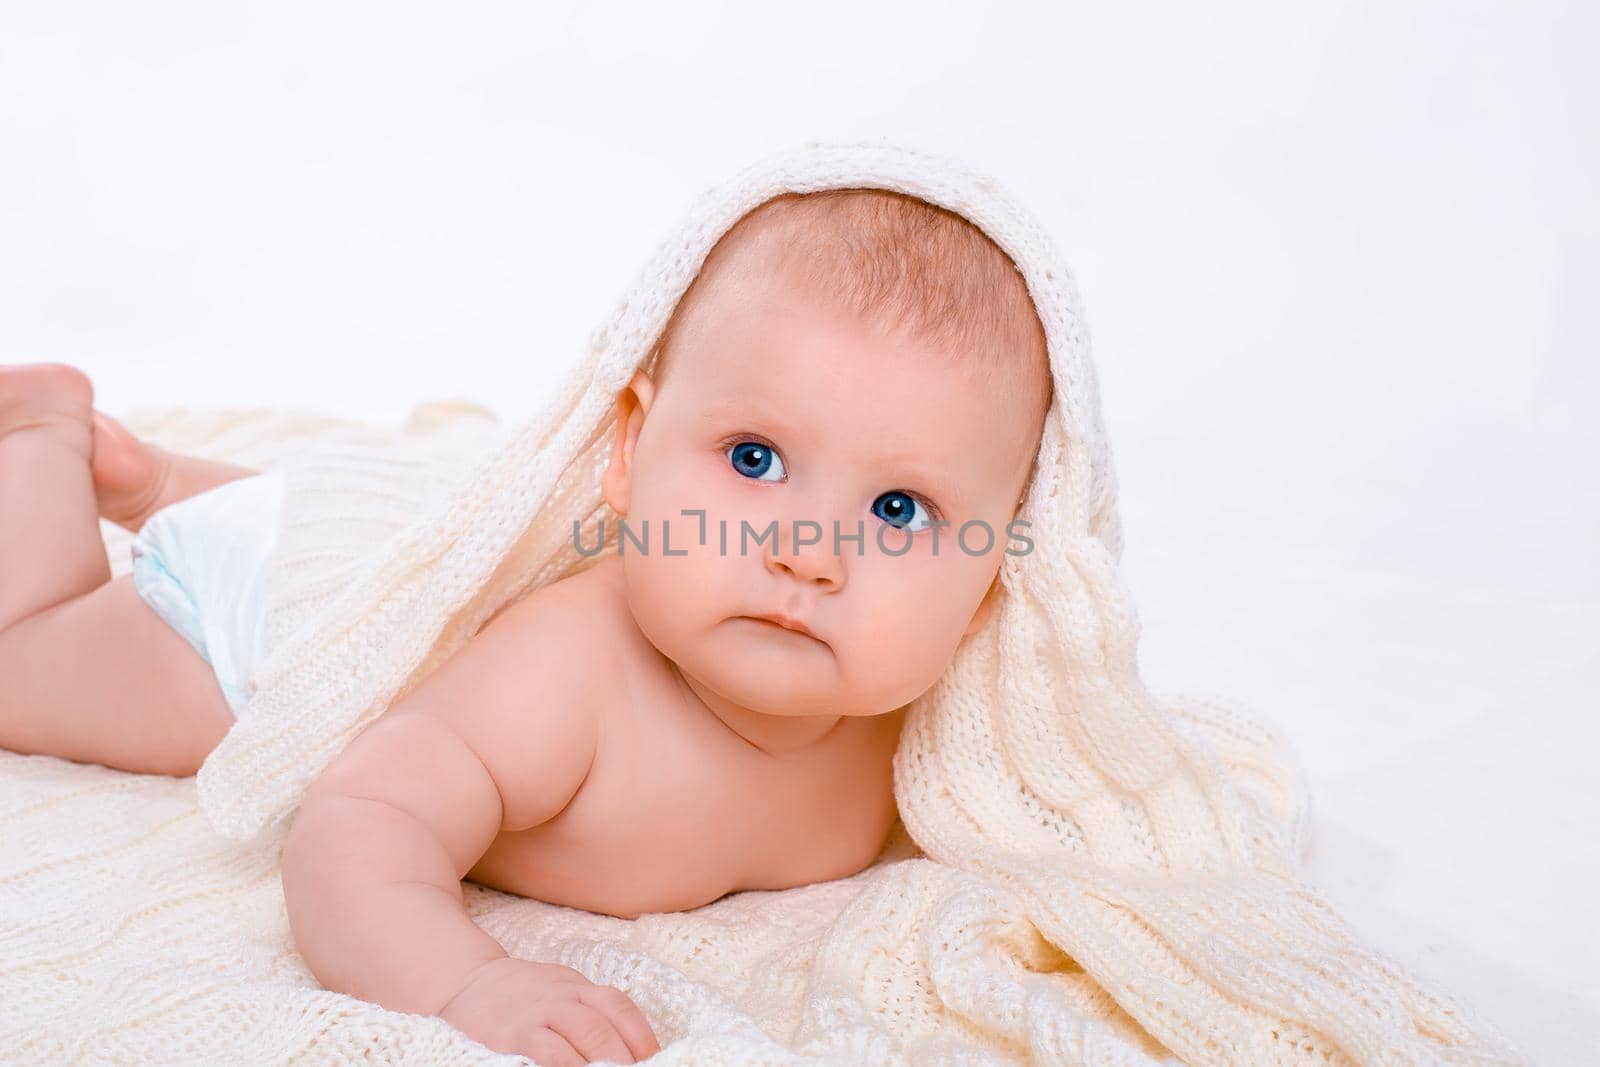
(128, 473)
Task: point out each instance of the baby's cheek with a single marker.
(894, 665)
(693, 509)
(913, 616)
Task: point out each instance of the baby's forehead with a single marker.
(898, 263)
(831, 395)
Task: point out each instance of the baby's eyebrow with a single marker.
(745, 415)
(745, 411)
(946, 494)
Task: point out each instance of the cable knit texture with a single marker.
(1086, 872)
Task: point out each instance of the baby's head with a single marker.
(850, 360)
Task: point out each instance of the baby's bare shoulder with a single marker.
(521, 692)
(575, 614)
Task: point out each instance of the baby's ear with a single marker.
(633, 403)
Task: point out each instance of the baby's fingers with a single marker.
(588, 1030)
(625, 1016)
(548, 1049)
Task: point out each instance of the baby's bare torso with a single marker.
(677, 809)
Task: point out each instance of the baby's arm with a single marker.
(372, 865)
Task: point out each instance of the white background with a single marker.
(1339, 263)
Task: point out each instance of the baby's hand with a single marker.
(550, 1013)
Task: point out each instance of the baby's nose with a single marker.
(805, 549)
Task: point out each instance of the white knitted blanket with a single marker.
(1087, 872)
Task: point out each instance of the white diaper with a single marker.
(202, 565)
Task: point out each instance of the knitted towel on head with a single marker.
(1094, 874)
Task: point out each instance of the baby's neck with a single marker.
(776, 735)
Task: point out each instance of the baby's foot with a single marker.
(132, 478)
(50, 397)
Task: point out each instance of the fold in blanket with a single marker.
(1090, 872)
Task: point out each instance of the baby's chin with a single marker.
(772, 671)
(767, 669)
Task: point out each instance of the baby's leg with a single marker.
(88, 671)
(101, 678)
(134, 479)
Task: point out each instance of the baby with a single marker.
(857, 367)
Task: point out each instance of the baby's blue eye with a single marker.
(755, 460)
(900, 509)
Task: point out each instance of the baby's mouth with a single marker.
(782, 624)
